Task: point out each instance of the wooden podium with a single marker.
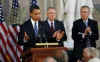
(39, 54)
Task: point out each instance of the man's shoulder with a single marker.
(78, 21)
(45, 21)
(92, 20)
(55, 21)
(26, 22)
(41, 21)
(58, 22)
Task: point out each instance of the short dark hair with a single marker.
(32, 7)
(85, 6)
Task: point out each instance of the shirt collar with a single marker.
(85, 21)
(33, 22)
(50, 22)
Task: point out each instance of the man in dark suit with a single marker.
(54, 29)
(31, 31)
(84, 32)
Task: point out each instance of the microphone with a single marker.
(45, 38)
(40, 38)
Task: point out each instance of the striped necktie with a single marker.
(86, 23)
(36, 30)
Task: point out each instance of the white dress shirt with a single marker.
(33, 23)
(50, 23)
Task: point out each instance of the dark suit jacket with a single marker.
(28, 28)
(78, 28)
(58, 26)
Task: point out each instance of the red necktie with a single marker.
(51, 28)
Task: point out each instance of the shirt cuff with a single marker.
(90, 33)
(83, 36)
(57, 40)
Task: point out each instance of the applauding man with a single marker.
(54, 29)
(84, 32)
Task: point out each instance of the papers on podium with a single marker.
(44, 44)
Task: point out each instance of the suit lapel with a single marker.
(47, 25)
(82, 25)
(39, 27)
(31, 29)
(55, 25)
(89, 23)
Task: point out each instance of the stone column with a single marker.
(43, 7)
(60, 9)
(68, 21)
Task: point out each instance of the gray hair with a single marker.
(62, 56)
(47, 59)
(65, 55)
(92, 51)
(85, 7)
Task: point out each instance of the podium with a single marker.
(39, 54)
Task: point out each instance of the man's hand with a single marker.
(87, 30)
(55, 34)
(26, 37)
(58, 35)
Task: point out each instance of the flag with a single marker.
(10, 51)
(60, 9)
(3, 49)
(1, 14)
(15, 5)
(12, 37)
(34, 2)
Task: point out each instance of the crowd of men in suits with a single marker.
(84, 31)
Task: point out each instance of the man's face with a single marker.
(84, 13)
(35, 14)
(51, 14)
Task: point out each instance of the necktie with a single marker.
(35, 29)
(86, 24)
(51, 28)
(88, 40)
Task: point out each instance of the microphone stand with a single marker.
(45, 40)
(40, 39)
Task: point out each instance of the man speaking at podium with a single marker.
(54, 29)
(32, 30)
